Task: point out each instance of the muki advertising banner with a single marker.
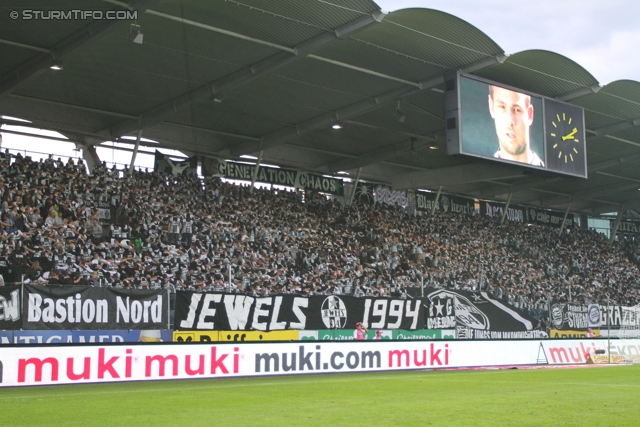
(10, 308)
(37, 365)
(446, 203)
(29, 365)
(219, 311)
(86, 307)
(278, 176)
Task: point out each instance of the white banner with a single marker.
(571, 352)
(86, 364)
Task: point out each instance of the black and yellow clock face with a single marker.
(565, 139)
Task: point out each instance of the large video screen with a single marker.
(504, 124)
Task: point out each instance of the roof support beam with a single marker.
(25, 46)
(616, 224)
(626, 141)
(631, 203)
(493, 191)
(580, 92)
(454, 175)
(506, 209)
(44, 60)
(281, 136)
(613, 162)
(341, 33)
(90, 156)
(365, 106)
(564, 219)
(100, 138)
(74, 106)
(607, 130)
(531, 183)
(589, 194)
(32, 135)
(245, 75)
(353, 188)
(417, 136)
(435, 202)
(387, 152)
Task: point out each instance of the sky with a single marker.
(603, 36)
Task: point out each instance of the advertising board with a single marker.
(29, 365)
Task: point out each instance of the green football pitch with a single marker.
(603, 396)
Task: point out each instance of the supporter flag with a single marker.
(163, 165)
(210, 166)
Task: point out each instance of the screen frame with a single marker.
(454, 120)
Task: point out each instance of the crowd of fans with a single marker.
(183, 233)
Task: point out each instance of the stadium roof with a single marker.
(230, 78)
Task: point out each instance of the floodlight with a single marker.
(134, 34)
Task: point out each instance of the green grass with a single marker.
(550, 397)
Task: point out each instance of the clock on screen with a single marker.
(565, 138)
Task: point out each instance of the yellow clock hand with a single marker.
(570, 136)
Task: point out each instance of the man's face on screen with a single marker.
(512, 113)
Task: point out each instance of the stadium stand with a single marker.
(185, 233)
(315, 68)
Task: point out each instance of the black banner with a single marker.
(479, 316)
(446, 203)
(442, 314)
(10, 314)
(564, 316)
(496, 210)
(369, 193)
(86, 307)
(163, 165)
(278, 176)
(619, 317)
(626, 227)
(552, 218)
(218, 311)
(523, 214)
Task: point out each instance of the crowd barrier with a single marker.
(30, 365)
(319, 335)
